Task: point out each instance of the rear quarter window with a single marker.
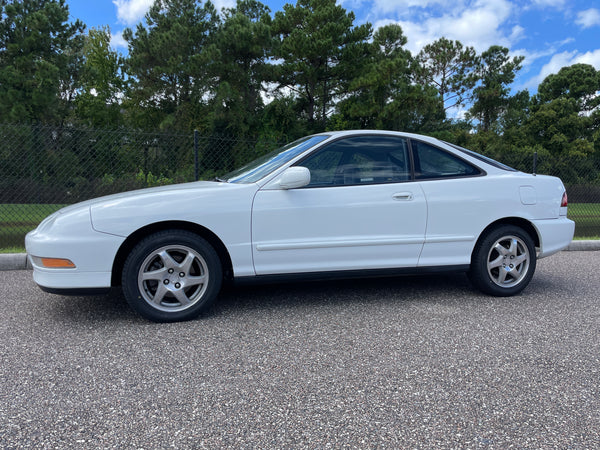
(433, 162)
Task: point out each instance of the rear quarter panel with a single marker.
(460, 209)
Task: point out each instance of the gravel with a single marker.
(415, 362)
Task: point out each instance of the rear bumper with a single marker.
(555, 235)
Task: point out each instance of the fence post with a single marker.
(196, 174)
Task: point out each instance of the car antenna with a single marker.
(534, 162)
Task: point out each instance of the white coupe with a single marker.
(333, 204)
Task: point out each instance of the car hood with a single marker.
(123, 213)
(140, 193)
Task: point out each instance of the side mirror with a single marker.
(294, 177)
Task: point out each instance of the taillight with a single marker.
(565, 201)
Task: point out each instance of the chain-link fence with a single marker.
(44, 168)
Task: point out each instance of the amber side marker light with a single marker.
(57, 263)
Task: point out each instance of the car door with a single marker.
(360, 211)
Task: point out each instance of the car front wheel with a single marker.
(172, 276)
(503, 261)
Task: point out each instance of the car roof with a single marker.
(335, 134)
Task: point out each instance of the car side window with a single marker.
(359, 160)
(432, 162)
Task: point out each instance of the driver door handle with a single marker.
(403, 196)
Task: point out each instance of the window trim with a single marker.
(411, 160)
(486, 159)
(411, 173)
(481, 173)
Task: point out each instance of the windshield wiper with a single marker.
(220, 180)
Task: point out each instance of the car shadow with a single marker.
(110, 307)
(237, 300)
(342, 292)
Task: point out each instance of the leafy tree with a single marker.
(320, 50)
(99, 101)
(513, 120)
(496, 71)
(384, 95)
(559, 128)
(385, 71)
(37, 47)
(169, 64)
(579, 81)
(450, 68)
(280, 120)
(563, 122)
(243, 42)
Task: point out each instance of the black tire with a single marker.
(172, 276)
(503, 261)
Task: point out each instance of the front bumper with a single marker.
(93, 254)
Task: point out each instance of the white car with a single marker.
(341, 203)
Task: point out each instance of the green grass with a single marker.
(580, 210)
(12, 250)
(587, 219)
(26, 213)
(16, 220)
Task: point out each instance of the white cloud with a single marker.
(517, 33)
(131, 12)
(220, 4)
(565, 59)
(592, 58)
(551, 3)
(457, 113)
(588, 18)
(117, 42)
(402, 6)
(531, 56)
(351, 5)
(478, 25)
(556, 63)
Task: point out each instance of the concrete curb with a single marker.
(19, 261)
(14, 261)
(583, 246)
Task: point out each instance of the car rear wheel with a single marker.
(503, 261)
(172, 276)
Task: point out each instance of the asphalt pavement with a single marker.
(408, 362)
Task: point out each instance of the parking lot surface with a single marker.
(416, 362)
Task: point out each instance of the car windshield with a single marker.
(266, 164)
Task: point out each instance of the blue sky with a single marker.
(550, 33)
